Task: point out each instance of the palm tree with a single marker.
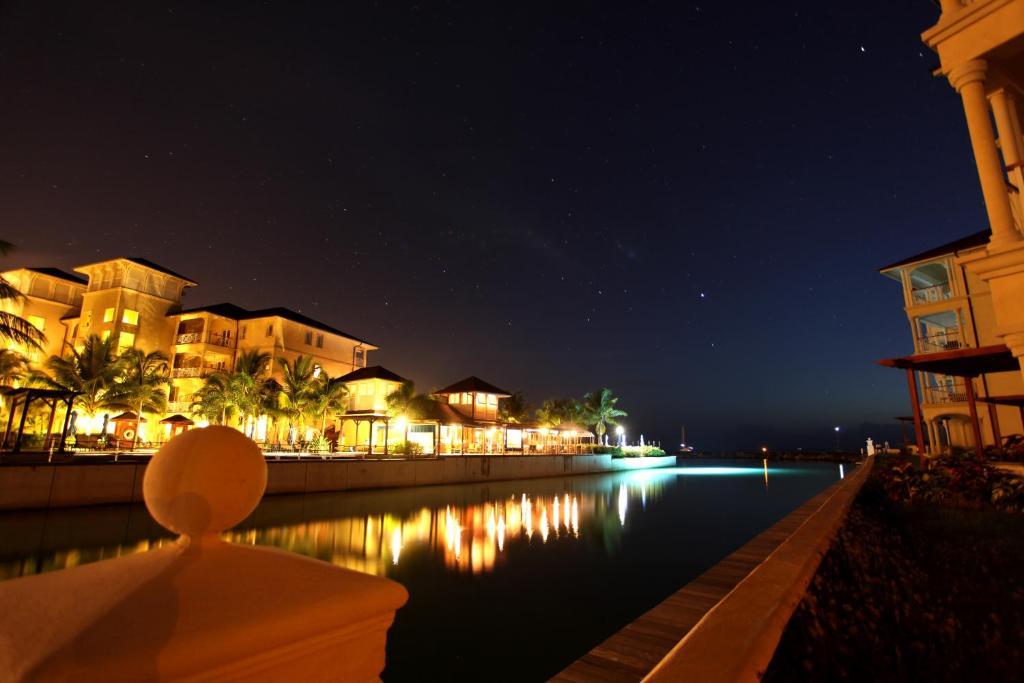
(514, 408)
(297, 382)
(213, 401)
(329, 395)
(90, 371)
(13, 367)
(13, 328)
(406, 403)
(555, 411)
(599, 410)
(143, 387)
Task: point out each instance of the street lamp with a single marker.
(621, 432)
(837, 438)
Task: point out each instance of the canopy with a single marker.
(959, 363)
(177, 420)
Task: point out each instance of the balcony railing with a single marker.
(198, 371)
(950, 340)
(179, 406)
(950, 393)
(200, 338)
(931, 295)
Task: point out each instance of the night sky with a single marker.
(686, 203)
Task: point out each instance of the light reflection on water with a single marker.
(598, 550)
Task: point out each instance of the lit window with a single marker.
(492, 400)
(130, 317)
(125, 340)
(37, 322)
(270, 330)
(108, 315)
(245, 328)
(316, 371)
(319, 341)
(106, 335)
(454, 399)
(481, 399)
(467, 399)
(309, 337)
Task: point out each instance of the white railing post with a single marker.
(199, 609)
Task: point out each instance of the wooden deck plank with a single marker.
(633, 651)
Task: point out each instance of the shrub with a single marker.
(954, 481)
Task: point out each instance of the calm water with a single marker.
(508, 580)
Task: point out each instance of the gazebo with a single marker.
(22, 398)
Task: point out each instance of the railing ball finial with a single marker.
(205, 481)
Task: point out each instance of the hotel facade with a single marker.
(139, 304)
(953, 324)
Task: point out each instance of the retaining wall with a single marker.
(24, 487)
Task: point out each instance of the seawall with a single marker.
(28, 487)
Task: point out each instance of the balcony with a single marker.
(197, 371)
(950, 340)
(950, 393)
(179, 406)
(931, 295)
(200, 338)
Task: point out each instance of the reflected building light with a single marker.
(396, 544)
(554, 512)
(501, 533)
(643, 496)
(842, 475)
(565, 511)
(527, 516)
(622, 503)
(544, 523)
(575, 517)
(765, 461)
(491, 524)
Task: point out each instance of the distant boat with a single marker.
(684, 448)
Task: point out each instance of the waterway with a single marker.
(507, 580)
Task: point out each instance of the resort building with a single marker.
(139, 304)
(980, 44)
(953, 327)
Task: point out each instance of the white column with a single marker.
(969, 80)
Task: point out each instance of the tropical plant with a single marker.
(599, 411)
(142, 386)
(514, 408)
(13, 367)
(405, 402)
(555, 411)
(90, 371)
(328, 396)
(213, 401)
(298, 379)
(15, 329)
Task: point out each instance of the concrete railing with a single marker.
(199, 609)
(736, 639)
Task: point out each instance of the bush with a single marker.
(636, 452)
(613, 451)
(955, 481)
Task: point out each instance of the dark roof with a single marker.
(63, 275)
(177, 419)
(156, 266)
(445, 414)
(473, 384)
(372, 372)
(126, 416)
(969, 362)
(978, 239)
(229, 310)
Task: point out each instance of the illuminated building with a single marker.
(951, 316)
(139, 304)
(980, 44)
